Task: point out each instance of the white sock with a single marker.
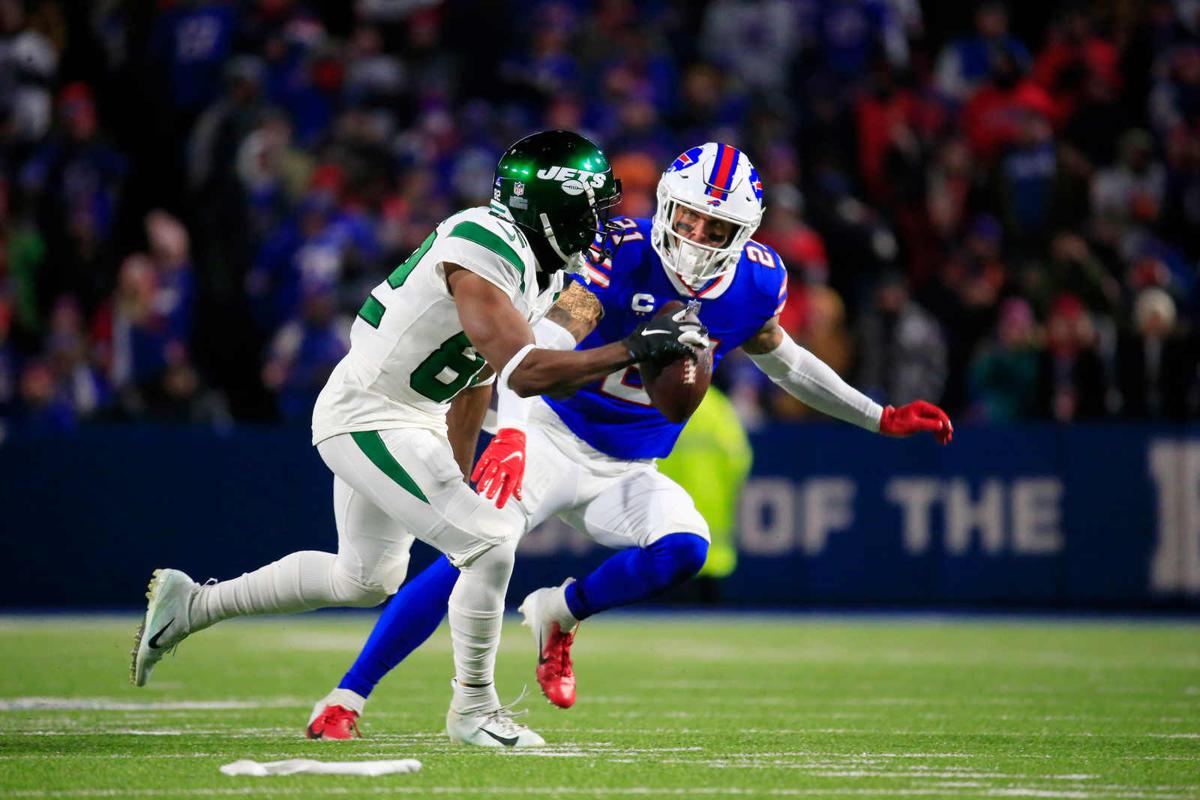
(346, 699)
(476, 615)
(476, 637)
(299, 582)
(558, 610)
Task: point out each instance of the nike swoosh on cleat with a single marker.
(153, 643)
(504, 740)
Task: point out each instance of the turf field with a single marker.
(670, 706)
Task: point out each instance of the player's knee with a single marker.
(354, 593)
(683, 554)
(496, 565)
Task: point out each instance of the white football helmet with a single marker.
(713, 179)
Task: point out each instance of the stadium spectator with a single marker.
(1026, 182)
(304, 352)
(22, 256)
(189, 44)
(967, 62)
(1004, 372)
(902, 351)
(996, 112)
(754, 41)
(42, 407)
(1074, 57)
(73, 180)
(1131, 192)
(1157, 361)
(847, 36)
(1072, 379)
(170, 250)
(965, 298)
(77, 384)
(1072, 268)
(30, 48)
(133, 337)
(950, 182)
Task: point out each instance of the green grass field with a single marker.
(707, 707)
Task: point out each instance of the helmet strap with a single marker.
(567, 261)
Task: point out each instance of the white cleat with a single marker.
(492, 729)
(166, 622)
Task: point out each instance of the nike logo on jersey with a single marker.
(154, 639)
(504, 740)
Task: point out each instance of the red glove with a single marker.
(501, 468)
(916, 417)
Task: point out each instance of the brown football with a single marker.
(677, 389)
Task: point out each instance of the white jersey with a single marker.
(408, 353)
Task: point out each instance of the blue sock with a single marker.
(637, 573)
(409, 619)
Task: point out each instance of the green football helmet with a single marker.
(559, 186)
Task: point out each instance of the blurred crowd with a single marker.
(992, 207)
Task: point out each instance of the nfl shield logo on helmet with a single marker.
(519, 189)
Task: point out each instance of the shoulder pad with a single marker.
(770, 273)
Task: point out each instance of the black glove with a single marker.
(666, 338)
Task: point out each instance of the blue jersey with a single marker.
(615, 415)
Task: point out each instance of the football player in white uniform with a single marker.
(398, 420)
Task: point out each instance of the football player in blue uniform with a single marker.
(590, 458)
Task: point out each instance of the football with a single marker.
(677, 389)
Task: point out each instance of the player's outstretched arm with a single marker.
(811, 381)
(499, 332)
(500, 471)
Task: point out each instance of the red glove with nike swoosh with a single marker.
(501, 467)
(916, 417)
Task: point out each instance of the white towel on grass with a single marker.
(295, 766)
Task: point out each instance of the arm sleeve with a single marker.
(811, 381)
(512, 410)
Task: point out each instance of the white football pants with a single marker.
(390, 487)
(617, 502)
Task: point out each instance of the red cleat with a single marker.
(334, 722)
(554, 673)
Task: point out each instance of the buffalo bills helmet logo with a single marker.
(685, 159)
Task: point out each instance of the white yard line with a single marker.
(110, 704)
(629, 791)
(941, 734)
